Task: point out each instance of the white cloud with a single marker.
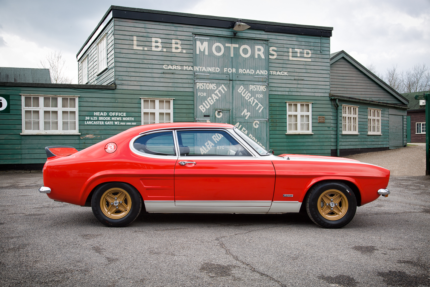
(21, 53)
(380, 33)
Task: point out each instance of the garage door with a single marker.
(396, 131)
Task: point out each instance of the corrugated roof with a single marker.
(25, 75)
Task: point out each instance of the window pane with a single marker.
(35, 102)
(152, 104)
(209, 143)
(47, 102)
(72, 116)
(145, 104)
(65, 126)
(167, 105)
(161, 117)
(28, 115)
(54, 102)
(167, 118)
(145, 118)
(158, 144)
(152, 118)
(72, 103)
(292, 108)
(72, 125)
(65, 116)
(304, 108)
(161, 105)
(65, 103)
(28, 102)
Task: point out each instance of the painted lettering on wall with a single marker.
(248, 97)
(245, 131)
(219, 49)
(109, 119)
(213, 98)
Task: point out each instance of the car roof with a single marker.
(150, 127)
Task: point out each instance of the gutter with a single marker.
(65, 86)
(350, 99)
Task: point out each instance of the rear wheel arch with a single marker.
(90, 195)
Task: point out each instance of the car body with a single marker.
(206, 168)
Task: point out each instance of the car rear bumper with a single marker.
(44, 189)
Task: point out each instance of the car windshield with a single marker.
(253, 144)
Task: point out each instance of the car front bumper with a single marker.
(384, 192)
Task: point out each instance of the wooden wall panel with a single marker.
(346, 80)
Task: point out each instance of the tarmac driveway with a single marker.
(49, 243)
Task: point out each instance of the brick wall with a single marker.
(417, 117)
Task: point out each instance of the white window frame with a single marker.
(156, 110)
(102, 50)
(42, 109)
(299, 113)
(84, 70)
(421, 124)
(376, 118)
(345, 132)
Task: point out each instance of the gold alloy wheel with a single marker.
(332, 204)
(115, 203)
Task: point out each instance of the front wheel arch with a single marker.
(345, 204)
(351, 185)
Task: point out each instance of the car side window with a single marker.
(156, 143)
(209, 143)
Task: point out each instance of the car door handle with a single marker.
(185, 162)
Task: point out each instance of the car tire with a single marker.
(116, 204)
(331, 204)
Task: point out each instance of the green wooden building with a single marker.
(274, 81)
(369, 114)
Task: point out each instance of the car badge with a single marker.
(110, 147)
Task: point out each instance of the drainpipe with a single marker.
(427, 98)
(337, 128)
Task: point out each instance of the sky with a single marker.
(382, 34)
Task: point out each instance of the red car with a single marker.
(206, 168)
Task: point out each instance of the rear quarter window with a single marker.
(157, 144)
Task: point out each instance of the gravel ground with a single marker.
(406, 161)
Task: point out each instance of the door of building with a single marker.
(232, 84)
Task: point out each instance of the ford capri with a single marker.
(206, 168)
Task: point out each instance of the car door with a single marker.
(215, 173)
(156, 155)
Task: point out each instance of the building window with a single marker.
(349, 119)
(102, 54)
(84, 67)
(299, 118)
(156, 111)
(49, 115)
(421, 128)
(374, 121)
